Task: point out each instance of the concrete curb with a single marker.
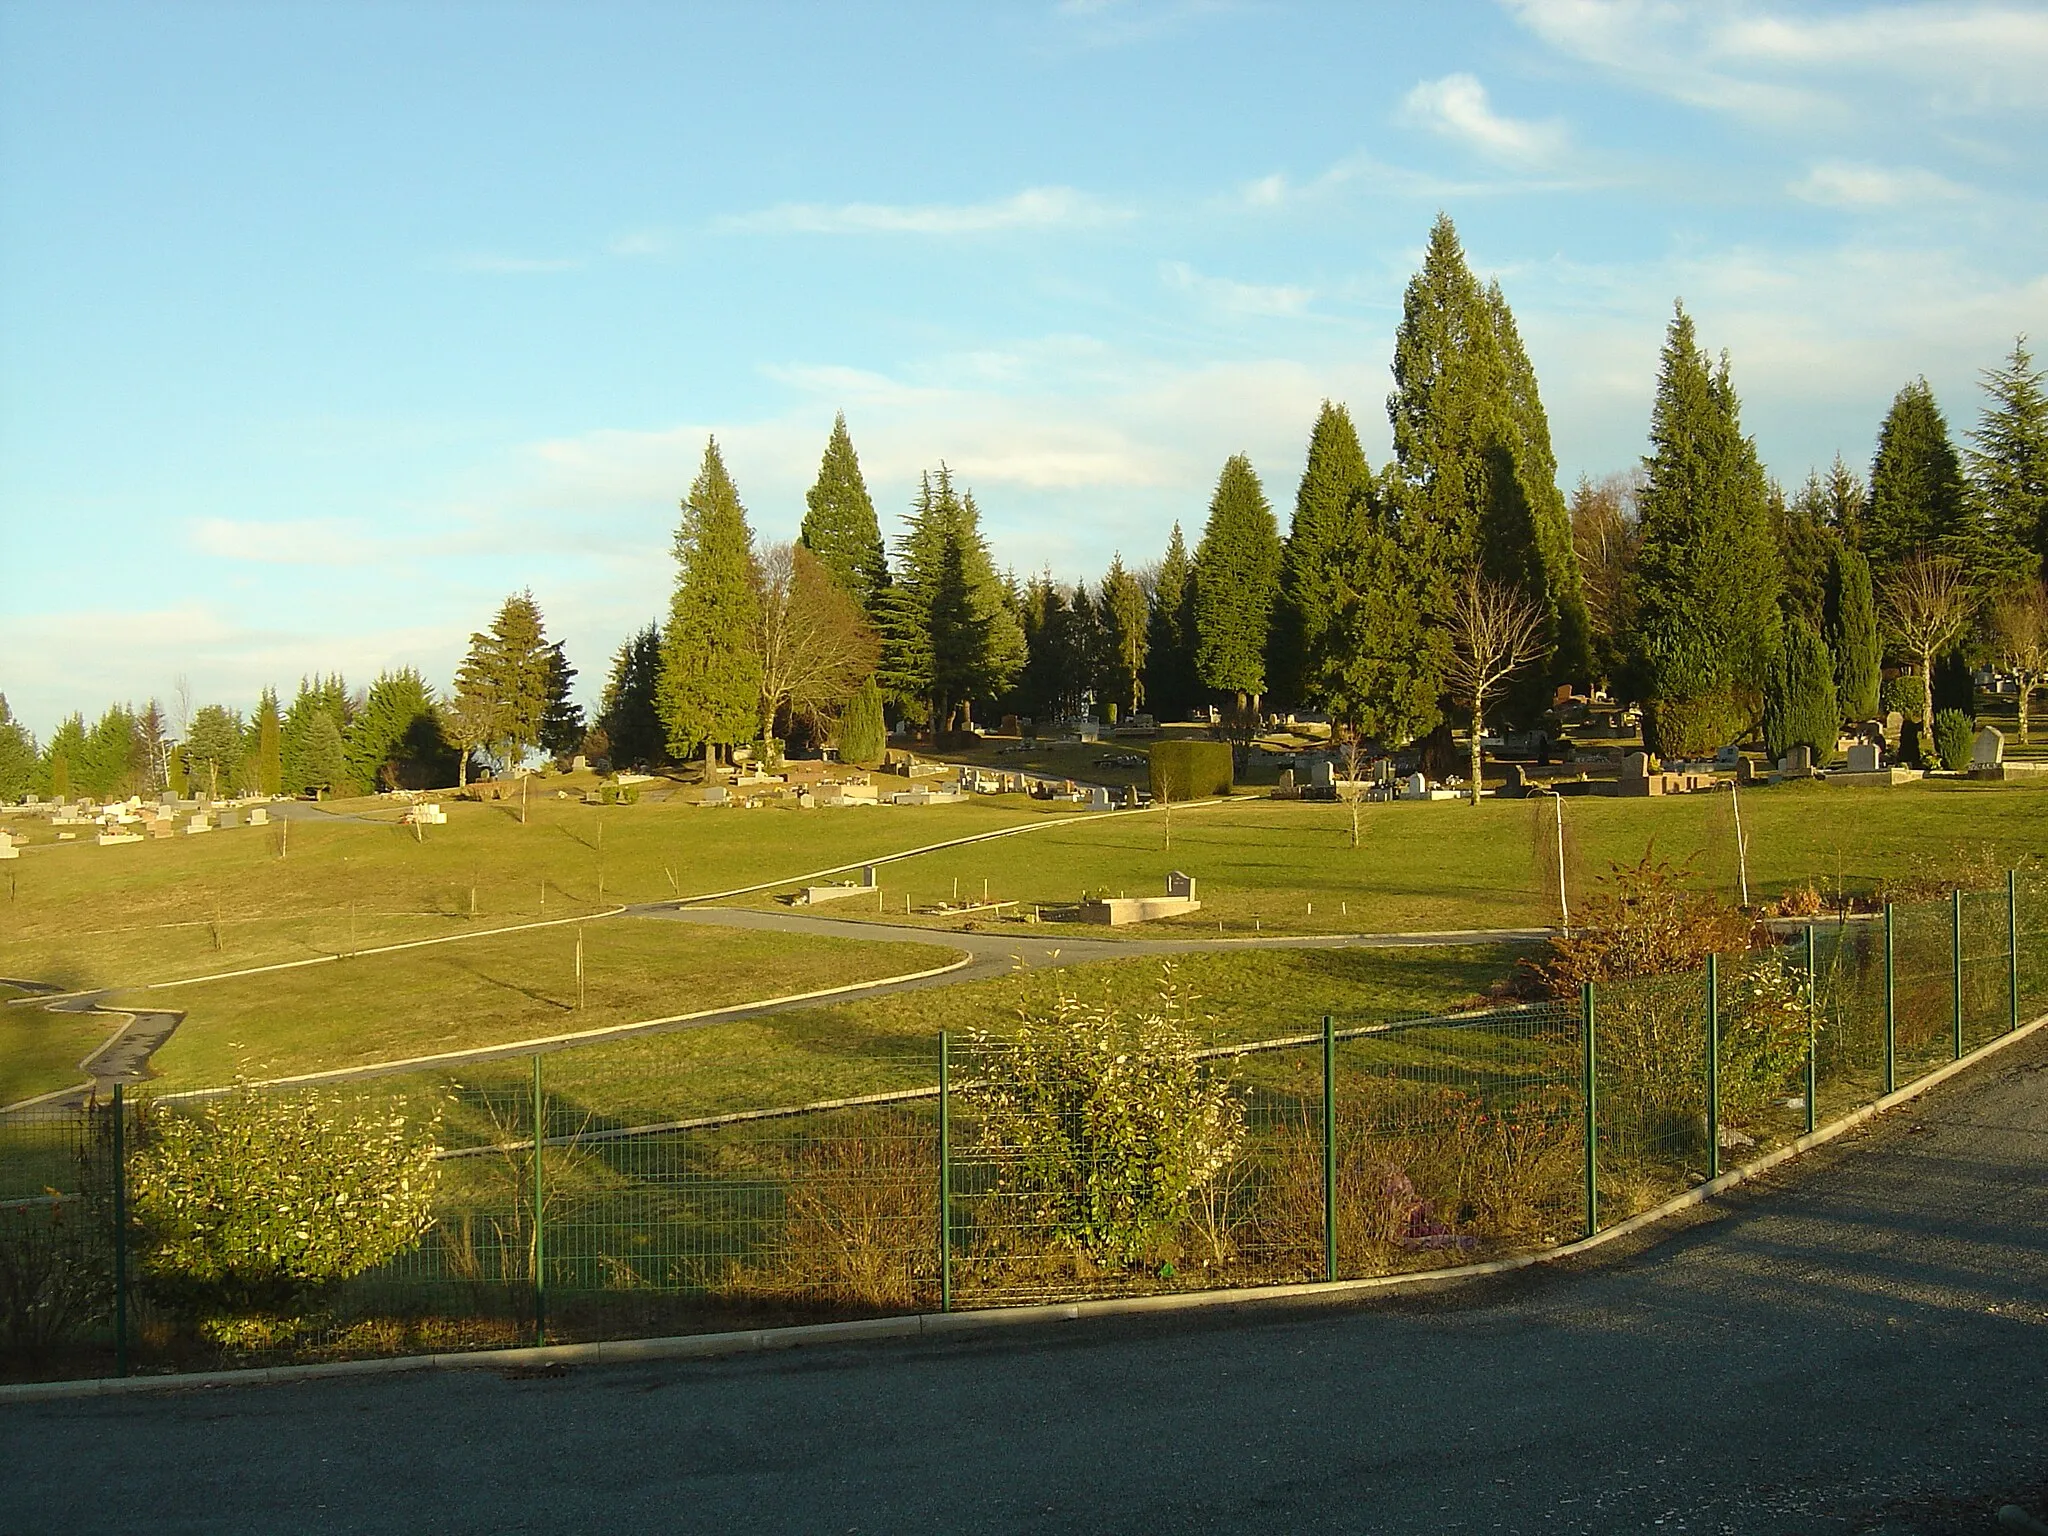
(936, 1324)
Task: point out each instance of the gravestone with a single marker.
(1010, 727)
(1322, 773)
(1180, 884)
(1514, 787)
(1798, 762)
(1287, 778)
(1636, 766)
(1418, 786)
(1988, 750)
(1727, 757)
(1866, 757)
(1894, 725)
(1745, 769)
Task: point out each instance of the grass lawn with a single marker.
(40, 1051)
(509, 987)
(82, 915)
(807, 1055)
(1446, 865)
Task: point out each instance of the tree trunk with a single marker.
(2026, 687)
(1927, 689)
(1476, 751)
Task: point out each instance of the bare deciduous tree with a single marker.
(816, 648)
(1927, 606)
(2019, 641)
(1355, 756)
(1495, 632)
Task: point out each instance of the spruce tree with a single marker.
(269, 745)
(396, 740)
(1800, 704)
(839, 524)
(1330, 508)
(561, 719)
(1852, 636)
(1845, 503)
(1170, 682)
(213, 751)
(316, 696)
(710, 686)
(863, 735)
(1122, 612)
(1237, 583)
(1919, 503)
(2009, 465)
(17, 756)
(627, 713)
(1801, 529)
(326, 759)
(1381, 672)
(950, 635)
(1707, 576)
(501, 689)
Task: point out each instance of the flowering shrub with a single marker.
(1104, 1129)
(262, 1197)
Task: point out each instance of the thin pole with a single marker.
(1563, 906)
(1741, 847)
(945, 1171)
(2012, 950)
(1329, 1148)
(1955, 932)
(120, 1234)
(1590, 1091)
(579, 966)
(1812, 1031)
(1713, 1066)
(1891, 1002)
(540, 1252)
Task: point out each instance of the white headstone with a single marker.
(1988, 751)
(1322, 773)
(1418, 786)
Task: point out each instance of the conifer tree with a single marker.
(627, 714)
(326, 759)
(269, 745)
(561, 718)
(1122, 614)
(710, 684)
(1852, 636)
(1384, 669)
(950, 635)
(1330, 509)
(1707, 574)
(1845, 503)
(1237, 583)
(839, 524)
(68, 743)
(1801, 529)
(863, 735)
(395, 742)
(17, 756)
(316, 696)
(153, 747)
(501, 689)
(1800, 704)
(2009, 464)
(1919, 503)
(214, 751)
(1170, 682)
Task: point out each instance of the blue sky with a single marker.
(324, 327)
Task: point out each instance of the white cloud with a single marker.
(311, 541)
(1854, 184)
(1033, 208)
(642, 242)
(1457, 108)
(1265, 300)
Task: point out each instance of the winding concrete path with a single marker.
(123, 1057)
(1856, 1344)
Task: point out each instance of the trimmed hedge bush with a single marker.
(1953, 739)
(1191, 770)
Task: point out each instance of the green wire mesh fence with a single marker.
(1079, 1157)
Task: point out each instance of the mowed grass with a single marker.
(809, 1055)
(1289, 867)
(496, 989)
(85, 916)
(40, 1051)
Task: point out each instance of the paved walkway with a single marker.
(1860, 1344)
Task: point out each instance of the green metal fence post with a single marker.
(540, 1245)
(945, 1171)
(1590, 1096)
(1329, 1148)
(2012, 950)
(1713, 1066)
(1955, 927)
(1812, 1032)
(120, 1234)
(1891, 1002)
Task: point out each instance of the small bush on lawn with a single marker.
(1191, 770)
(261, 1199)
(1952, 739)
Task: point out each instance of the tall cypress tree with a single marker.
(1237, 583)
(1170, 682)
(709, 691)
(1919, 503)
(1707, 575)
(1851, 634)
(2009, 464)
(1800, 704)
(1329, 514)
(839, 524)
(1381, 671)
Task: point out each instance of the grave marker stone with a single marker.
(1988, 750)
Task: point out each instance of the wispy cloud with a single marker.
(1033, 208)
(1854, 184)
(1364, 171)
(639, 242)
(310, 541)
(1456, 107)
(1265, 300)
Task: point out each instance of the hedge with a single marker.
(1191, 770)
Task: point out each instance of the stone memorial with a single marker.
(1865, 757)
(1636, 766)
(1417, 787)
(1322, 773)
(1798, 763)
(1515, 787)
(1988, 750)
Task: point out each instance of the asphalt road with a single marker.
(1859, 1344)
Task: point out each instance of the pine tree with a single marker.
(1800, 704)
(1852, 637)
(326, 759)
(214, 751)
(1707, 575)
(1170, 681)
(17, 756)
(2009, 465)
(1383, 671)
(269, 745)
(863, 736)
(1330, 508)
(839, 526)
(1801, 529)
(1122, 613)
(1919, 503)
(710, 685)
(396, 741)
(950, 635)
(152, 743)
(1237, 583)
(561, 718)
(67, 745)
(316, 697)
(627, 713)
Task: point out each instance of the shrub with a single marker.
(1103, 1130)
(862, 1206)
(1800, 708)
(1695, 727)
(1952, 739)
(863, 735)
(1191, 770)
(1642, 920)
(261, 1198)
(57, 1258)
